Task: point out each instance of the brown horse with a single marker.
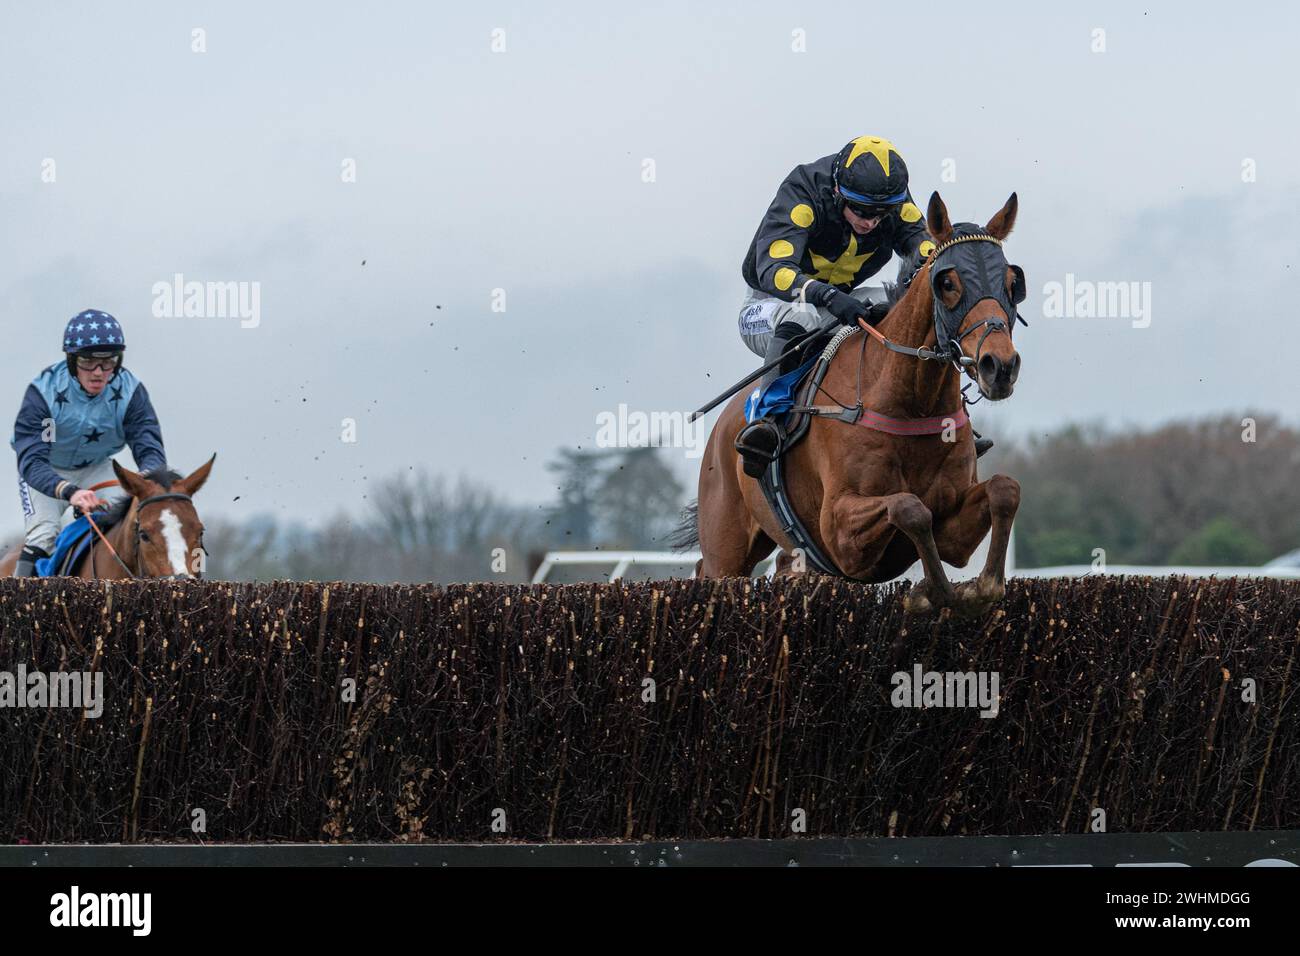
(157, 532)
(872, 501)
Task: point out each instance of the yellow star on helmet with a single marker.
(844, 269)
(877, 147)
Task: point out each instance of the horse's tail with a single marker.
(686, 536)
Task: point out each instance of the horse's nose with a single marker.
(995, 371)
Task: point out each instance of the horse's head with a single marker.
(975, 295)
(166, 532)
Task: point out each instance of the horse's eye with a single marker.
(947, 284)
(144, 535)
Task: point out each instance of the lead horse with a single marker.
(873, 501)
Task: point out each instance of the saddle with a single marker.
(71, 547)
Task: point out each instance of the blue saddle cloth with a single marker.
(69, 548)
(778, 398)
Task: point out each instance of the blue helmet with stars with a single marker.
(93, 331)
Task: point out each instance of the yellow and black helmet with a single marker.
(870, 173)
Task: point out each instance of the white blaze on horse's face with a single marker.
(175, 541)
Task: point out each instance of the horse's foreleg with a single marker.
(859, 528)
(991, 504)
(1004, 502)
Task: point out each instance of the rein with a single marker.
(922, 353)
(102, 537)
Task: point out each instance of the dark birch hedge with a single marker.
(685, 709)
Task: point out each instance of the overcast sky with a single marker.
(523, 171)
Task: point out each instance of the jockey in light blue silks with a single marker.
(76, 415)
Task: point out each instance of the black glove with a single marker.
(839, 304)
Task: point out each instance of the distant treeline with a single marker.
(420, 527)
(1219, 491)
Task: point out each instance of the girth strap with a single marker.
(773, 485)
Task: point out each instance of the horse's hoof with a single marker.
(975, 597)
(921, 600)
(915, 604)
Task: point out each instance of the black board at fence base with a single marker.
(1268, 848)
(681, 710)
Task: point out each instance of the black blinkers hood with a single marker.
(980, 263)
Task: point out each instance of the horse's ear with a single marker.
(191, 483)
(136, 485)
(1004, 220)
(936, 218)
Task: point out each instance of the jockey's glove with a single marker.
(839, 304)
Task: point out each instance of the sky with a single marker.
(551, 202)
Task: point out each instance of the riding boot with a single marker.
(759, 442)
(26, 566)
(982, 444)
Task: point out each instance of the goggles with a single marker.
(868, 207)
(99, 360)
(871, 212)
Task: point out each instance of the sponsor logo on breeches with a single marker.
(29, 509)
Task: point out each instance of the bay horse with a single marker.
(156, 532)
(873, 501)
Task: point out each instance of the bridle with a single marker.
(950, 350)
(140, 506)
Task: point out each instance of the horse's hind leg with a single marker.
(785, 565)
(732, 552)
(731, 541)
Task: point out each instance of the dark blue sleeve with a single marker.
(33, 451)
(143, 433)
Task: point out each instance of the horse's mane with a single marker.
(907, 270)
(162, 475)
